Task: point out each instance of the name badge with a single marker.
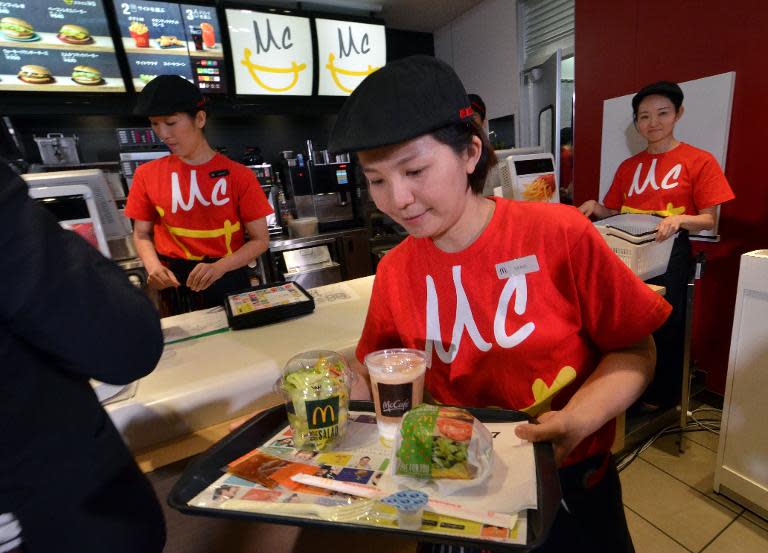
(519, 266)
(219, 173)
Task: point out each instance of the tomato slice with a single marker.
(456, 430)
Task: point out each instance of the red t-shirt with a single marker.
(197, 210)
(517, 320)
(684, 180)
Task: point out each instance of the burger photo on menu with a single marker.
(35, 74)
(17, 29)
(74, 34)
(87, 75)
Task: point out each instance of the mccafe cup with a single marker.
(397, 381)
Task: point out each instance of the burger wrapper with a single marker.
(442, 447)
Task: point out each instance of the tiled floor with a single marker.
(671, 506)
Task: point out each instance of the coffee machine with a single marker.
(266, 176)
(323, 186)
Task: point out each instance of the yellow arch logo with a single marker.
(671, 210)
(543, 394)
(226, 231)
(295, 68)
(336, 71)
(326, 413)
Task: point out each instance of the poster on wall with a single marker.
(271, 53)
(57, 46)
(162, 38)
(347, 53)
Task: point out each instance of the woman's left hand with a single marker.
(668, 227)
(557, 427)
(203, 275)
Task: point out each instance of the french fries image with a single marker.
(541, 189)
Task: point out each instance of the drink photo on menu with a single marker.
(163, 38)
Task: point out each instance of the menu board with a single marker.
(347, 52)
(271, 53)
(57, 46)
(165, 38)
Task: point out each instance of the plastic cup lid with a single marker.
(407, 500)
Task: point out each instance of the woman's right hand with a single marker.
(589, 207)
(161, 277)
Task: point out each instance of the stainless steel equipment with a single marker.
(57, 149)
(323, 188)
(266, 177)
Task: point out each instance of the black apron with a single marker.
(666, 388)
(183, 300)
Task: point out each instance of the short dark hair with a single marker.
(458, 137)
(667, 89)
(478, 106)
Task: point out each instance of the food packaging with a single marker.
(315, 386)
(443, 445)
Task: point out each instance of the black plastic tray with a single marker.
(208, 467)
(271, 314)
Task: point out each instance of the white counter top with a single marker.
(209, 380)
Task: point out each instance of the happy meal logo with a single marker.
(352, 50)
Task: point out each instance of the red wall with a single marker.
(622, 45)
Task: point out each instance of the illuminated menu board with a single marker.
(271, 53)
(347, 53)
(164, 38)
(57, 46)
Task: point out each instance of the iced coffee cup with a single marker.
(397, 381)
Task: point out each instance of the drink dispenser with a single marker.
(322, 186)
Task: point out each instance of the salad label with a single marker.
(323, 418)
(395, 398)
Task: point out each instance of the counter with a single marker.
(201, 384)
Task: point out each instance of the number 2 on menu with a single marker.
(126, 8)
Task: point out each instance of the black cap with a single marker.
(167, 94)
(404, 99)
(662, 88)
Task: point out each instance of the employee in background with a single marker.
(682, 184)
(566, 165)
(478, 109)
(67, 482)
(199, 217)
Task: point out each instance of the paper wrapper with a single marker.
(442, 447)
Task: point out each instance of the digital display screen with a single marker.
(72, 214)
(271, 53)
(165, 38)
(57, 46)
(347, 53)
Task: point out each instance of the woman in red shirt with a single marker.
(192, 209)
(682, 184)
(501, 295)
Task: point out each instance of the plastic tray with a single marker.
(633, 238)
(271, 303)
(207, 468)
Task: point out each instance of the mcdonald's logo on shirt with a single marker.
(323, 412)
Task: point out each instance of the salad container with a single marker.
(315, 386)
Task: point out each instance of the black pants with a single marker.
(666, 387)
(590, 518)
(183, 300)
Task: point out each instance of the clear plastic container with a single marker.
(316, 386)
